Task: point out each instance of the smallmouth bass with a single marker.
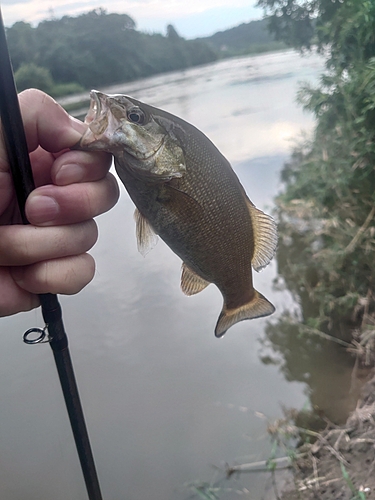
(186, 192)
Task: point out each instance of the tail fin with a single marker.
(258, 307)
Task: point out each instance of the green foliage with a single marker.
(30, 75)
(33, 76)
(63, 89)
(172, 33)
(331, 188)
(205, 491)
(293, 21)
(97, 49)
(345, 27)
(350, 33)
(357, 495)
(247, 38)
(21, 38)
(327, 212)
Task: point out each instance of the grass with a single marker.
(357, 495)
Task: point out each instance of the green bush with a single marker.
(327, 210)
(30, 75)
(63, 89)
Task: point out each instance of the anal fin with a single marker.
(191, 282)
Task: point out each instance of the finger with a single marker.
(46, 123)
(14, 299)
(80, 166)
(41, 161)
(67, 275)
(69, 167)
(55, 205)
(24, 245)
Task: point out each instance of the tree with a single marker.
(22, 43)
(330, 180)
(172, 33)
(345, 27)
(292, 21)
(96, 49)
(33, 76)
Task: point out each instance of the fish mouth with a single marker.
(101, 125)
(95, 107)
(97, 116)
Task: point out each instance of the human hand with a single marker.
(72, 187)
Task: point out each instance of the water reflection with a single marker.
(325, 367)
(164, 400)
(333, 377)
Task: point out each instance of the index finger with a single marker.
(47, 124)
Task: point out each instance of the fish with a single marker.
(186, 192)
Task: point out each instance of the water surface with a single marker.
(165, 401)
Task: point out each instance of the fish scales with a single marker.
(215, 196)
(187, 192)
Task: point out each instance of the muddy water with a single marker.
(166, 402)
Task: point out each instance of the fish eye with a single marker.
(136, 115)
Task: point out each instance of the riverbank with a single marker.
(340, 464)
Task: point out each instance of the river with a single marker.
(167, 403)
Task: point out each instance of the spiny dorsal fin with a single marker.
(146, 238)
(265, 237)
(191, 282)
(258, 307)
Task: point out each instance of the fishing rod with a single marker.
(20, 166)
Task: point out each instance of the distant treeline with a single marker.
(246, 38)
(95, 49)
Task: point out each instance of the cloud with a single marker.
(213, 20)
(15, 2)
(152, 15)
(178, 8)
(34, 11)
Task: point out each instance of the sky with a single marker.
(191, 18)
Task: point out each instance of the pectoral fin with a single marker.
(265, 237)
(191, 282)
(258, 307)
(146, 238)
(188, 199)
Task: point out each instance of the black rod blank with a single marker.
(19, 161)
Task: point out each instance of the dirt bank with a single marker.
(340, 464)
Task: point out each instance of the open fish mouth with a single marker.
(102, 126)
(97, 116)
(95, 107)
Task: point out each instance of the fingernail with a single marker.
(68, 174)
(41, 209)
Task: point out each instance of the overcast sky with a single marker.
(191, 18)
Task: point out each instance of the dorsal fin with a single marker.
(146, 238)
(191, 282)
(265, 237)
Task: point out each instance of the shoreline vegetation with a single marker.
(72, 55)
(326, 216)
